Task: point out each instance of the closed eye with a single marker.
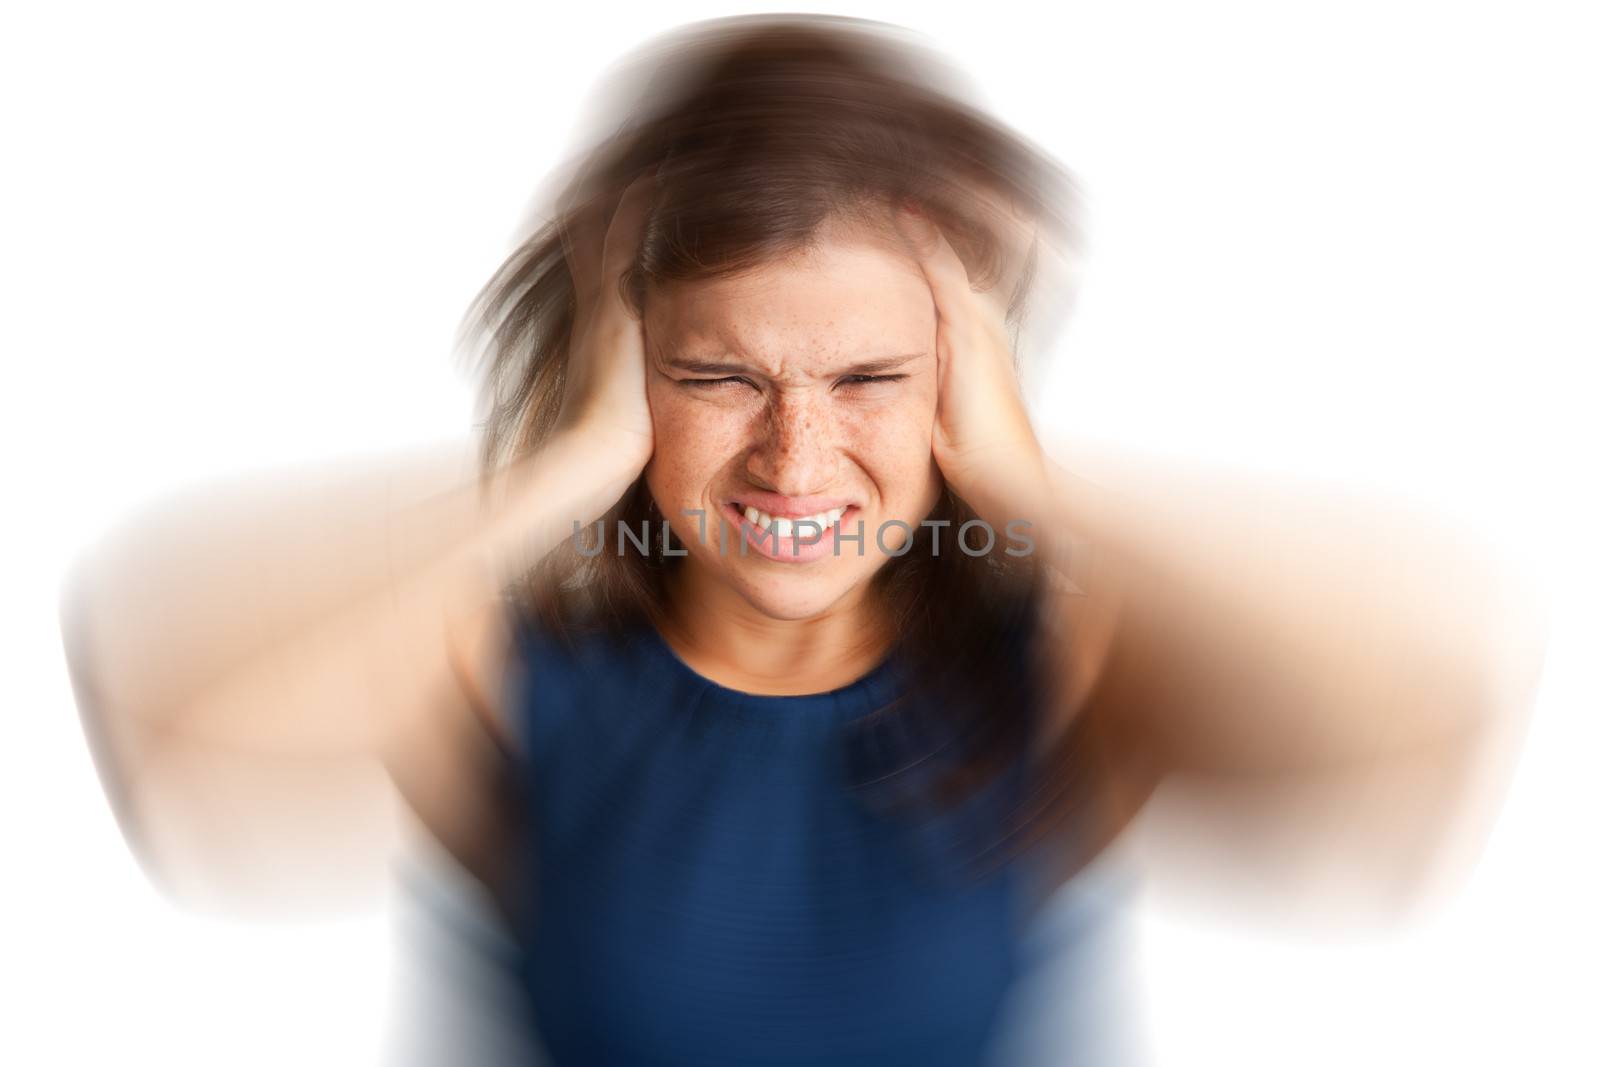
(849, 379)
(869, 379)
(711, 383)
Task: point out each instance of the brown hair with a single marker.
(759, 129)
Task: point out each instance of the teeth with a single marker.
(784, 527)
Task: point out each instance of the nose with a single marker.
(797, 451)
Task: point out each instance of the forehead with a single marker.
(848, 296)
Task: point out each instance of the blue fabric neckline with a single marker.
(869, 690)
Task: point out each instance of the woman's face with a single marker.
(796, 389)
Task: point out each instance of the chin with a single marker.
(793, 597)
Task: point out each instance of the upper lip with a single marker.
(788, 507)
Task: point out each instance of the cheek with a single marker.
(896, 443)
(693, 442)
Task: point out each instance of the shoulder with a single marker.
(534, 671)
(1075, 632)
(500, 652)
(484, 648)
(519, 680)
(455, 769)
(1085, 741)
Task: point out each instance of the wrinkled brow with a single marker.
(728, 365)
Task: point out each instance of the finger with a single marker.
(595, 229)
(1020, 251)
(958, 304)
(622, 239)
(1016, 235)
(582, 229)
(1016, 232)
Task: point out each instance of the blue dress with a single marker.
(707, 887)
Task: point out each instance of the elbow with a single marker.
(121, 747)
(112, 746)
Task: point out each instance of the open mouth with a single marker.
(788, 539)
(785, 525)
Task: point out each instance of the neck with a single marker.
(727, 640)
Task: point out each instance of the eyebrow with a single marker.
(871, 366)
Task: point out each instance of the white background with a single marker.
(1347, 239)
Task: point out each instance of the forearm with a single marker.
(274, 781)
(176, 645)
(1278, 627)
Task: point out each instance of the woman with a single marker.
(765, 682)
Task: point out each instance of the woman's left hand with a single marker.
(983, 440)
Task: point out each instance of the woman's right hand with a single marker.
(604, 404)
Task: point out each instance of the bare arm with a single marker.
(1327, 671)
(261, 674)
(252, 684)
(1327, 686)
